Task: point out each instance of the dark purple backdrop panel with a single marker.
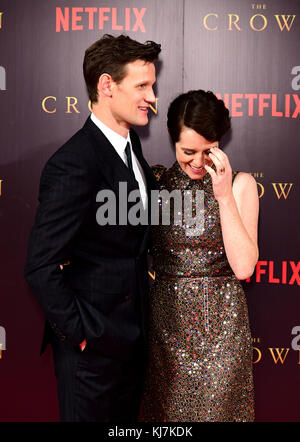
(243, 61)
(44, 80)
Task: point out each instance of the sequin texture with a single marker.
(200, 353)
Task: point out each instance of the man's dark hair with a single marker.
(110, 55)
(201, 111)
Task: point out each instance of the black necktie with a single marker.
(128, 155)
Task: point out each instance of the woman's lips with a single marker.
(197, 170)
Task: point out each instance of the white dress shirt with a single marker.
(119, 144)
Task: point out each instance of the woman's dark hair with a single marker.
(110, 55)
(201, 111)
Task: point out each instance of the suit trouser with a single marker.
(93, 387)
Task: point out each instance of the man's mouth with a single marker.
(143, 108)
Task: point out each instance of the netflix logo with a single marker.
(112, 19)
(284, 272)
(260, 105)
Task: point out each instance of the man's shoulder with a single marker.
(81, 140)
(79, 146)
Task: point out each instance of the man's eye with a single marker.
(187, 152)
(141, 86)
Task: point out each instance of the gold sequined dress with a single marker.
(200, 353)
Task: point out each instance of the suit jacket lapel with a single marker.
(114, 169)
(111, 165)
(136, 146)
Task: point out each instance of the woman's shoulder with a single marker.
(158, 171)
(243, 181)
(242, 177)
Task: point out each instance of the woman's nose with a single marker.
(198, 161)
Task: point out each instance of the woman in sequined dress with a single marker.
(200, 353)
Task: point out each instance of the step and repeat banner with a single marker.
(245, 52)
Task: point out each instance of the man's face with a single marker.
(132, 96)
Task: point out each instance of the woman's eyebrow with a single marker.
(193, 150)
(187, 148)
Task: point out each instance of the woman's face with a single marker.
(192, 153)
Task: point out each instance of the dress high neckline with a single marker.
(183, 180)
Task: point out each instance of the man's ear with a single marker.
(105, 85)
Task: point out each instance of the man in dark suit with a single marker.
(89, 276)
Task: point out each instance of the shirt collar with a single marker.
(118, 142)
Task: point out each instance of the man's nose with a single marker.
(150, 98)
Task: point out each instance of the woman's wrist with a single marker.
(226, 200)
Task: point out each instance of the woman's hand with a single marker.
(238, 206)
(222, 177)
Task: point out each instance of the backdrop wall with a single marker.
(246, 52)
